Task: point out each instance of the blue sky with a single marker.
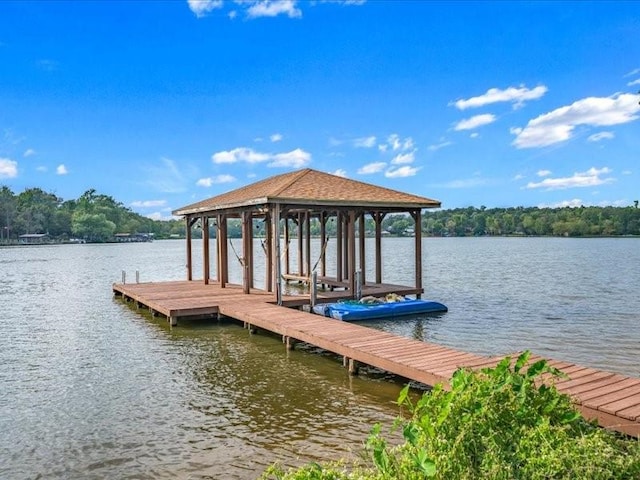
(161, 104)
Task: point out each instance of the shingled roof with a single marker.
(313, 188)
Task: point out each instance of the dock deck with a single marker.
(612, 399)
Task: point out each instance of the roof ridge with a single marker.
(295, 177)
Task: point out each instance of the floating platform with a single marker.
(611, 399)
(350, 311)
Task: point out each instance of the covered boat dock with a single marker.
(287, 204)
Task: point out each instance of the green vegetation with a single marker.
(500, 423)
(94, 217)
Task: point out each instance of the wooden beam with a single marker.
(307, 244)
(300, 234)
(268, 253)
(277, 267)
(224, 251)
(287, 263)
(205, 249)
(417, 217)
(378, 217)
(189, 254)
(351, 251)
(247, 251)
(339, 259)
(363, 265)
(323, 239)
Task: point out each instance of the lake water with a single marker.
(90, 388)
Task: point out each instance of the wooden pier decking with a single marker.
(612, 399)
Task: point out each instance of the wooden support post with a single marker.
(378, 217)
(287, 239)
(268, 239)
(173, 321)
(289, 342)
(345, 245)
(218, 252)
(351, 253)
(323, 239)
(189, 259)
(277, 270)
(313, 288)
(353, 367)
(417, 217)
(300, 234)
(307, 244)
(246, 251)
(339, 259)
(363, 266)
(224, 252)
(205, 249)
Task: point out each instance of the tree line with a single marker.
(94, 217)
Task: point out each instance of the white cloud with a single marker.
(240, 154)
(475, 122)
(403, 158)
(590, 178)
(627, 172)
(41, 168)
(634, 82)
(574, 203)
(395, 143)
(232, 14)
(519, 176)
(29, 152)
(374, 167)
(596, 137)
(438, 146)
(544, 173)
(516, 96)
(474, 135)
(341, 172)
(401, 172)
(8, 168)
(365, 142)
(217, 179)
(276, 137)
(295, 159)
(558, 125)
(273, 8)
(160, 216)
(61, 169)
(633, 72)
(201, 7)
(148, 203)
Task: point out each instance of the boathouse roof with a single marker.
(310, 187)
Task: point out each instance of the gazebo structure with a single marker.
(296, 198)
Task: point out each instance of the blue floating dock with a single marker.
(353, 310)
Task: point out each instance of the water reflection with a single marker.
(93, 389)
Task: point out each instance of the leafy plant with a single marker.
(499, 423)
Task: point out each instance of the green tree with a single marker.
(93, 227)
(7, 213)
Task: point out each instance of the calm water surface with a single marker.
(90, 388)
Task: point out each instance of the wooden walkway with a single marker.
(612, 399)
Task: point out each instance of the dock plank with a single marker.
(611, 399)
